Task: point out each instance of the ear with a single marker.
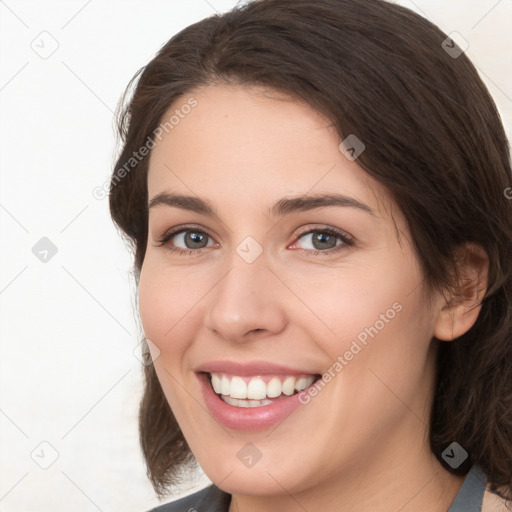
(460, 307)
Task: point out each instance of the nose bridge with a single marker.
(244, 299)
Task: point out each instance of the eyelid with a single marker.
(323, 228)
(176, 230)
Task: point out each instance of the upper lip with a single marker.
(247, 369)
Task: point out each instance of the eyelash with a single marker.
(346, 239)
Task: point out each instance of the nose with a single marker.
(246, 302)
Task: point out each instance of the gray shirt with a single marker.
(212, 499)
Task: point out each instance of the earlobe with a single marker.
(459, 308)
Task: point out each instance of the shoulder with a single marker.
(494, 503)
(210, 499)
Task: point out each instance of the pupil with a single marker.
(320, 239)
(194, 240)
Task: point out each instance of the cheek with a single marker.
(383, 337)
(171, 303)
(166, 314)
(372, 317)
(153, 303)
(346, 301)
(161, 304)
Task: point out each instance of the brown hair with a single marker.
(433, 138)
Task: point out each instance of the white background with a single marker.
(68, 375)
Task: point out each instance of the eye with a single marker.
(325, 240)
(186, 240)
(191, 241)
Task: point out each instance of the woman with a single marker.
(315, 194)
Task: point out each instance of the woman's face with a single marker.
(287, 262)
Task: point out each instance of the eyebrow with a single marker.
(282, 207)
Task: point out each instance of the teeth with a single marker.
(302, 383)
(238, 388)
(216, 383)
(245, 403)
(289, 386)
(274, 388)
(255, 389)
(224, 386)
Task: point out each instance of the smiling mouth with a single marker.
(258, 391)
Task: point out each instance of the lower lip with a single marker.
(246, 418)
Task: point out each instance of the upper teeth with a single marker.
(255, 388)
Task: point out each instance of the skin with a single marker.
(361, 444)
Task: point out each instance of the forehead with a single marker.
(249, 144)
